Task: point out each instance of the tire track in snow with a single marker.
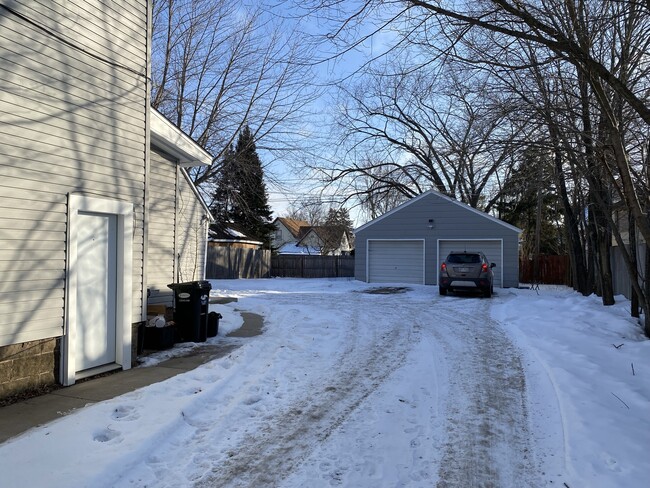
(373, 351)
(487, 419)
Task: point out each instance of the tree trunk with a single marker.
(646, 311)
(576, 252)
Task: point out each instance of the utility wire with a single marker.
(70, 44)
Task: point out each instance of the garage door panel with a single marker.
(396, 261)
(491, 248)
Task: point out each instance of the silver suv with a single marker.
(466, 271)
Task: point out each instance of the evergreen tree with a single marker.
(224, 194)
(240, 196)
(339, 218)
(528, 195)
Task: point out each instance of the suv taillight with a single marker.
(484, 268)
(443, 267)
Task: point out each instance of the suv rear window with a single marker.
(463, 258)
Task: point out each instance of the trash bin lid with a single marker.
(202, 285)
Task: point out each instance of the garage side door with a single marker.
(396, 261)
(491, 248)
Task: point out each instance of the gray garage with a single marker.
(407, 244)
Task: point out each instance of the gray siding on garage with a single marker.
(69, 123)
(396, 261)
(451, 220)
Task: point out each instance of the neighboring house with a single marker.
(408, 244)
(621, 276)
(286, 231)
(73, 159)
(328, 240)
(292, 248)
(231, 235)
(178, 218)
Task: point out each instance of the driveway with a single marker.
(415, 390)
(348, 385)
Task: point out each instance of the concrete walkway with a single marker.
(22, 416)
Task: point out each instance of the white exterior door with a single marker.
(395, 261)
(492, 248)
(95, 342)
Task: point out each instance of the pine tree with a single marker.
(339, 218)
(240, 196)
(224, 194)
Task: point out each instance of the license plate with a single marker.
(463, 270)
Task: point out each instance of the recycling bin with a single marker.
(191, 312)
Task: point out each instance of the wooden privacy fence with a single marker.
(233, 263)
(289, 266)
(552, 270)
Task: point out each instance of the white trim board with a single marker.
(167, 136)
(444, 197)
(124, 213)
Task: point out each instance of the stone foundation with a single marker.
(28, 366)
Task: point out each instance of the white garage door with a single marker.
(492, 248)
(396, 261)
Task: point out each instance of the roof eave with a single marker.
(172, 140)
(445, 197)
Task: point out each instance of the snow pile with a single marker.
(357, 389)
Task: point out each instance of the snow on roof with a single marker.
(233, 232)
(292, 248)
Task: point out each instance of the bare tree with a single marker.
(312, 210)
(563, 28)
(591, 101)
(219, 65)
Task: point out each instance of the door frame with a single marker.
(124, 213)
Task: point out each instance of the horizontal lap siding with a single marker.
(449, 221)
(191, 233)
(69, 122)
(161, 232)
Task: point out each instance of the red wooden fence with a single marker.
(552, 270)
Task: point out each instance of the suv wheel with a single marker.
(488, 292)
(443, 291)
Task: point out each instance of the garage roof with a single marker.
(444, 197)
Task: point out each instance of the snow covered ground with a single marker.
(352, 388)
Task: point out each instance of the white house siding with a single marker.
(284, 235)
(161, 260)
(622, 282)
(191, 239)
(433, 217)
(177, 229)
(69, 123)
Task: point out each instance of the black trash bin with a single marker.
(192, 300)
(213, 323)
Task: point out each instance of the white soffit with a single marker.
(178, 144)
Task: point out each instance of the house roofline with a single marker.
(234, 241)
(444, 197)
(195, 190)
(167, 136)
